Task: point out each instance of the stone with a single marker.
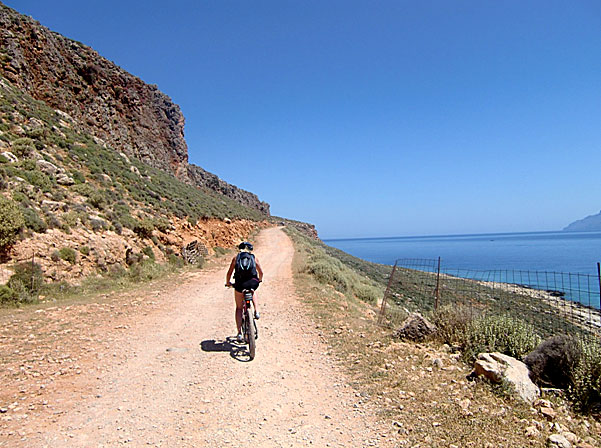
(498, 367)
(549, 413)
(64, 179)
(415, 328)
(532, 432)
(47, 167)
(10, 156)
(558, 441)
(570, 437)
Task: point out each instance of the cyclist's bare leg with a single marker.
(255, 296)
(239, 302)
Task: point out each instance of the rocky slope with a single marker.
(103, 99)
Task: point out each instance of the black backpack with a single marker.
(246, 268)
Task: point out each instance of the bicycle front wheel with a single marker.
(250, 329)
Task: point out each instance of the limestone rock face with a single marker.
(498, 367)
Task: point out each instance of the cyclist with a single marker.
(247, 275)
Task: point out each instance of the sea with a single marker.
(577, 252)
(552, 252)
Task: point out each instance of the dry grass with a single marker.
(421, 390)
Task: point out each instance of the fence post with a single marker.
(437, 290)
(383, 306)
(599, 277)
(32, 270)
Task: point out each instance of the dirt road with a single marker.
(159, 371)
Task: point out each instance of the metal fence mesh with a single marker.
(552, 302)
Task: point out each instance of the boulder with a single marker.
(498, 368)
(415, 328)
(47, 167)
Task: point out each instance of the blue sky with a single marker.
(375, 118)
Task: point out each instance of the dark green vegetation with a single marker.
(87, 183)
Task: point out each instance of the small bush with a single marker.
(452, 323)
(23, 147)
(11, 222)
(552, 363)
(585, 390)
(68, 254)
(55, 256)
(33, 220)
(144, 228)
(148, 252)
(7, 295)
(162, 224)
(503, 334)
(84, 250)
(145, 271)
(175, 261)
(27, 276)
(367, 293)
(329, 272)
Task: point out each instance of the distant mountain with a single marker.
(589, 224)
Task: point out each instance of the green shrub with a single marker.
(175, 261)
(145, 271)
(68, 254)
(452, 324)
(55, 256)
(28, 277)
(84, 250)
(33, 220)
(500, 333)
(11, 222)
(23, 147)
(329, 272)
(148, 252)
(585, 390)
(144, 227)
(162, 224)
(78, 177)
(367, 293)
(70, 218)
(7, 294)
(40, 180)
(98, 200)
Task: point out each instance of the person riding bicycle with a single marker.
(247, 275)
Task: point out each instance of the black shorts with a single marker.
(253, 283)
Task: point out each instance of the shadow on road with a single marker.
(236, 350)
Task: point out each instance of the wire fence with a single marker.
(552, 302)
(23, 275)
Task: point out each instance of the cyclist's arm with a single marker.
(229, 271)
(259, 270)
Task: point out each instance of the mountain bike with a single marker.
(249, 325)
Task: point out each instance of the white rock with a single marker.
(498, 367)
(558, 441)
(10, 156)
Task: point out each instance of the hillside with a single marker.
(591, 223)
(83, 203)
(104, 100)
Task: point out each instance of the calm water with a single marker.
(569, 252)
(576, 252)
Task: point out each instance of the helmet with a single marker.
(245, 245)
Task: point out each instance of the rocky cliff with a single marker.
(105, 100)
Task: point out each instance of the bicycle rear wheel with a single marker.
(250, 329)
